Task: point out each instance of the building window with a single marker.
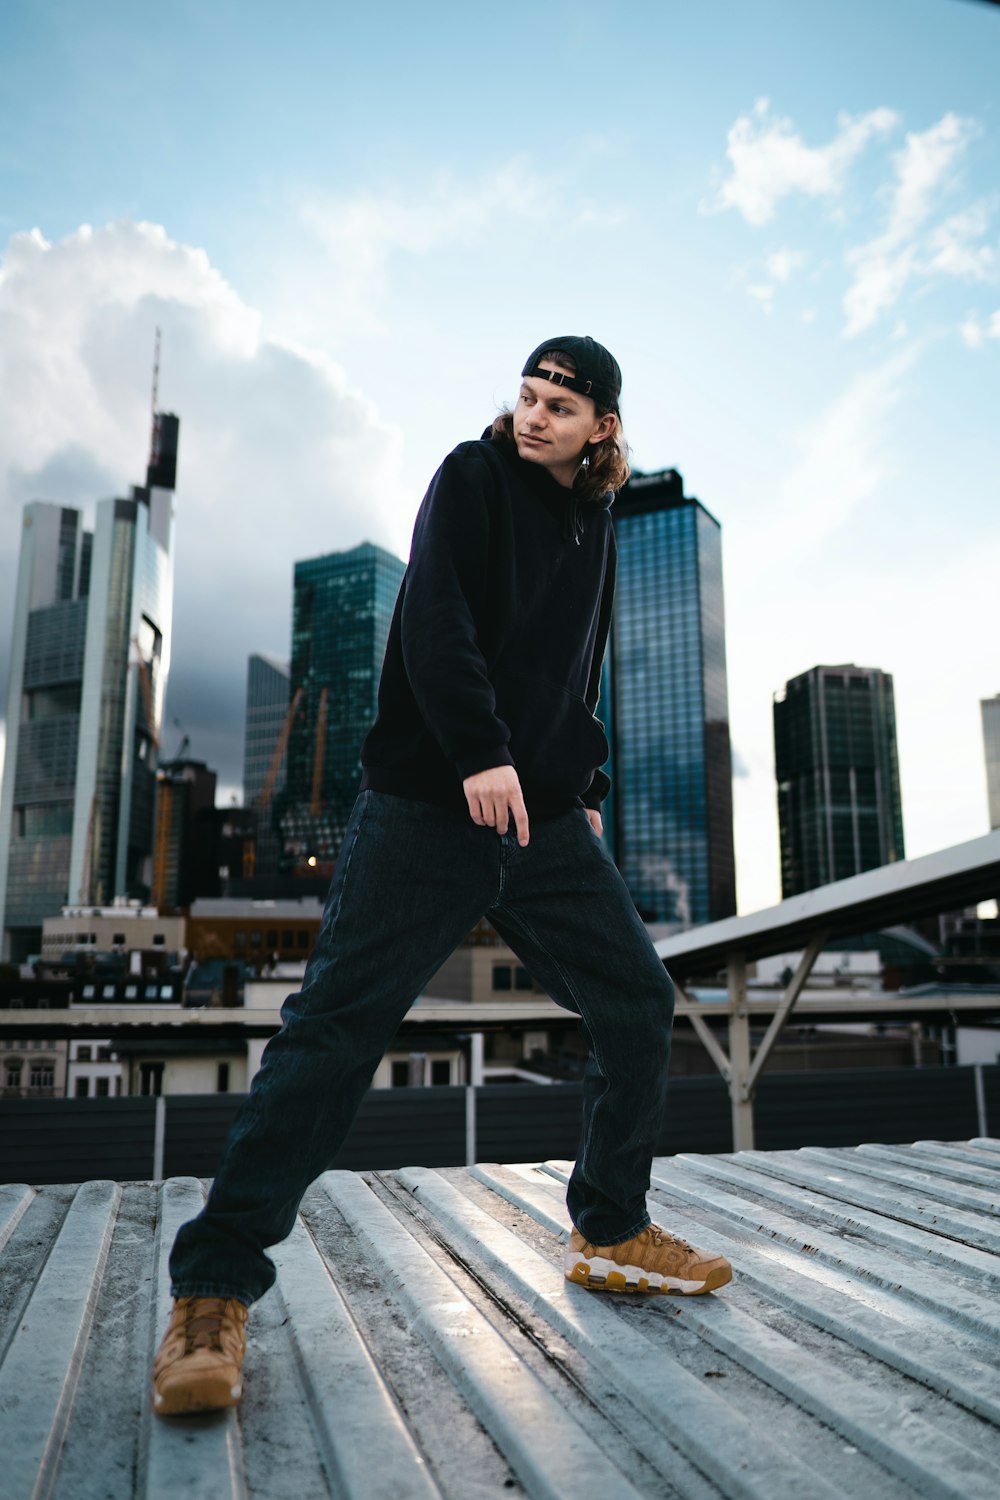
(400, 1074)
(131, 992)
(272, 938)
(82, 1090)
(42, 1075)
(101, 1088)
(522, 979)
(159, 941)
(501, 976)
(82, 1052)
(441, 1070)
(151, 1078)
(108, 992)
(14, 1075)
(239, 939)
(103, 1054)
(287, 939)
(303, 940)
(255, 937)
(118, 940)
(222, 1078)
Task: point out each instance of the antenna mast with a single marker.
(156, 373)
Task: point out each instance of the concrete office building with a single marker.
(991, 746)
(837, 768)
(89, 661)
(664, 703)
(342, 610)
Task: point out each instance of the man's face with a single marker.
(553, 425)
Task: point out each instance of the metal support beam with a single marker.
(784, 1010)
(740, 1094)
(704, 1033)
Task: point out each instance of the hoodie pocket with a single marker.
(556, 742)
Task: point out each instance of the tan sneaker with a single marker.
(198, 1366)
(653, 1261)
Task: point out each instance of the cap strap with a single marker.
(561, 377)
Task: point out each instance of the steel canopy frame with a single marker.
(959, 876)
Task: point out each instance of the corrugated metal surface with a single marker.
(421, 1341)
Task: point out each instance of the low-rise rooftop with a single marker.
(421, 1341)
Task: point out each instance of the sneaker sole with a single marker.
(205, 1395)
(600, 1275)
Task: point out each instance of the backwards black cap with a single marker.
(597, 373)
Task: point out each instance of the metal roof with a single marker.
(421, 1341)
(943, 881)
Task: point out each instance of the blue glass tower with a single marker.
(341, 614)
(670, 815)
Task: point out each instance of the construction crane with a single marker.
(319, 750)
(319, 753)
(279, 749)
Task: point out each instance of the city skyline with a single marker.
(794, 255)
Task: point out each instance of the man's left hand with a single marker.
(596, 822)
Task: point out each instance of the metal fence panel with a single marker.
(841, 1108)
(75, 1140)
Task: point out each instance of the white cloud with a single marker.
(781, 263)
(884, 266)
(975, 333)
(361, 235)
(843, 458)
(279, 458)
(763, 293)
(951, 251)
(769, 160)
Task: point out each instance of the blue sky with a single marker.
(353, 222)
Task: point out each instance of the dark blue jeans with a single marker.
(411, 881)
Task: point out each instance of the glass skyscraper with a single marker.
(89, 660)
(341, 614)
(839, 805)
(991, 747)
(669, 817)
(267, 708)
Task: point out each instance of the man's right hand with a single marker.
(494, 797)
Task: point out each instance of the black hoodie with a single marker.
(496, 643)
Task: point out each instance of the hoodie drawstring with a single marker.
(573, 521)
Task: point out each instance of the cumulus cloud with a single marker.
(279, 458)
(975, 333)
(769, 160)
(361, 234)
(781, 263)
(884, 265)
(842, 460)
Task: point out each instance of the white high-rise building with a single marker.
(991, 747)
(89, 660)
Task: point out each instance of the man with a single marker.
(480, 796)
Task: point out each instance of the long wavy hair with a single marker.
(604, 466)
